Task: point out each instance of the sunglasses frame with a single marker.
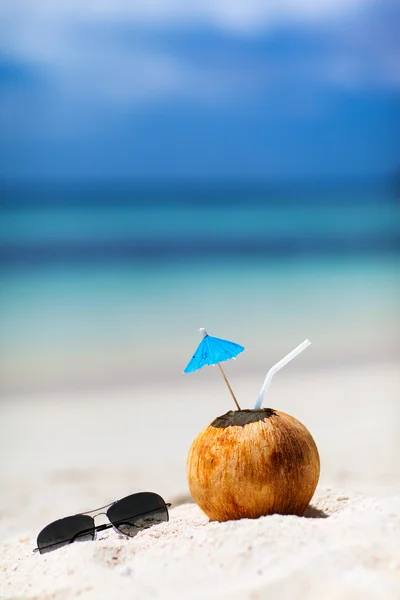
(97, 528)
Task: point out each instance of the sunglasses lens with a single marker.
(137, 512)
(78, 528)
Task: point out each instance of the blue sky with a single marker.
(225, 89)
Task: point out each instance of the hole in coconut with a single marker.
(240, 418)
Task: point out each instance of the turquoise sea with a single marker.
(113, 292)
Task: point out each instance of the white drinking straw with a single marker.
(276, 368)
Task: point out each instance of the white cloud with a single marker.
(69, 41)
(236, 15)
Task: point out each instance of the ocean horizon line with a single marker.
(20, 194)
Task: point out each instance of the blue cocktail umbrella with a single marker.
(212, 351)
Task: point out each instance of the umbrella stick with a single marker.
(229, 387)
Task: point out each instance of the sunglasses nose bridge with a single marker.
(102, 512)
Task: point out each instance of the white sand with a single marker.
(70, 454)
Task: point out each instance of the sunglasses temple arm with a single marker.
(103, 527)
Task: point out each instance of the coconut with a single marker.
(249, 463)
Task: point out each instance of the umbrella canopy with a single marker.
(213, 351)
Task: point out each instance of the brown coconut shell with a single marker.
(250, 463)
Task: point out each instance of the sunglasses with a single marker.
(128, 516)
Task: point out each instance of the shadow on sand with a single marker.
(315, 513)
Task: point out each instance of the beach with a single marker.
(94, 406)
(77, 451)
